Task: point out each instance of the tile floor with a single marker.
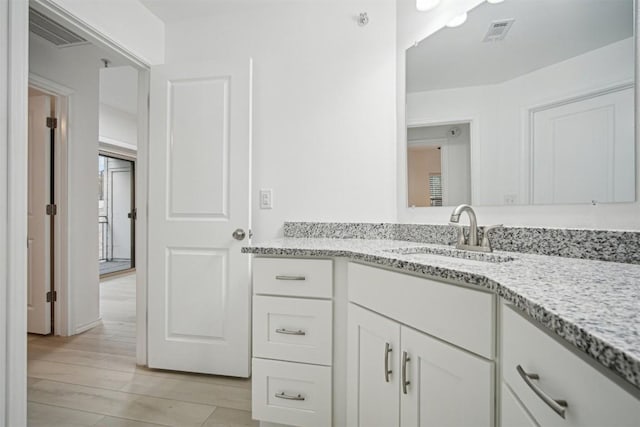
(92, 379)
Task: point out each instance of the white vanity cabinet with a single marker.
(546, 383)
(400, 376)
(292, 341)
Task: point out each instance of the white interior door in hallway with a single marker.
(39, 223)
(199, 182)
(121, 180)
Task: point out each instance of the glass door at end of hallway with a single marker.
(116, 214)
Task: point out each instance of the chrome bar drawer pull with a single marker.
(289, 397)
(280, 277)
(387, 351)
(558, 406)
(405, 361)
(290, 332)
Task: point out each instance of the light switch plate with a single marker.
(266, 199)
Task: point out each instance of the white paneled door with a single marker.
(38, 235)
(199, 182)
(584, 150)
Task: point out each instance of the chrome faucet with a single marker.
(473, 223)
(471, 243)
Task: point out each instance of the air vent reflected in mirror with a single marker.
(498, 30)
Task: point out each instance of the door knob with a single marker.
(239, 234)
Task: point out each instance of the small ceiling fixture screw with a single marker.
(106, 62)
(363, 19)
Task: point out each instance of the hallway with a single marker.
(92, 379)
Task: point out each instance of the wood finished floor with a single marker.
(92, 379)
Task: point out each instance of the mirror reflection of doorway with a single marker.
(116, 214)
(439, 164)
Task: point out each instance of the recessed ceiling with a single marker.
(544, 32)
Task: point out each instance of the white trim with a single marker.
(114, 145)
(427, 142)
(5, 107)
(80, 329)
(15, 411)
(115, 154)
(141, 228)
(63, 305)
(48, 86)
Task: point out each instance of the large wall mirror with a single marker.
(527, 102)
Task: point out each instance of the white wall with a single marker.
(118, 127)
(625, 216)
(500, 166)
(324, 103)
(77, 68)
(125, 22)
(4, 203)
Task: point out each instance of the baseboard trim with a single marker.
(82, 328)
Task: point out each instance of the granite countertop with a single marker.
(593, 305)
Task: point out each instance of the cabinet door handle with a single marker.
(290, 332)
(387, 351)
(558, 406)
(282, 277)
(405, 361)
(289, 397)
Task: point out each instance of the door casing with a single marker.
(63, 99)
(13, 363)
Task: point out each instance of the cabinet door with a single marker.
(446, 386)
(373, 374)
(512, 413)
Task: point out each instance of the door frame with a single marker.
(63, 101)
(105, 152)
(13, 326)
(474, 131)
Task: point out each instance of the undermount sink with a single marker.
(452, 253)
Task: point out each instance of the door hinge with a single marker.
(52, 209)
(52, 123)
(133, 214)
(52, 296)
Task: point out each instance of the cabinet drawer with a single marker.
(292, 329)
(592, 398)
(293, 277)
(307, 393)
(455, 314)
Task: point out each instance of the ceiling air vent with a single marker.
(50, 30)
(498, 30)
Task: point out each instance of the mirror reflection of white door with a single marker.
(38, 234)
(199, 157)
(584, 151)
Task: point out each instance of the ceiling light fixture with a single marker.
(494, 1)
(426, 5)
(457, 21)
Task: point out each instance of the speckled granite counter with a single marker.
(593, 305)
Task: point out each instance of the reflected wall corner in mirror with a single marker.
(543, 106)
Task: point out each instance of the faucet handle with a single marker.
(460, 239)
(485, 235)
